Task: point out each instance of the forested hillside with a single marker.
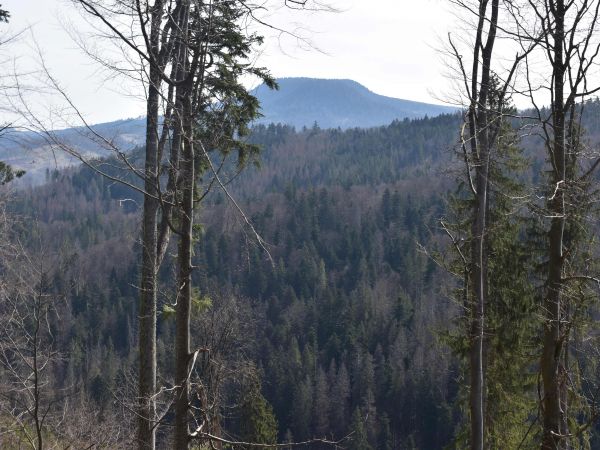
(374, 279)
(299, 102)
(343, 323)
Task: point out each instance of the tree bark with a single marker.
(552, 354)
(178, 73)
(36, 372)
(481, 149)
(186, 216)
(147, 318)
(184, 297)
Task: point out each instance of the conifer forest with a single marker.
(227, 272)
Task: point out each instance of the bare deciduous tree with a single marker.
(484, 85)
(570, 47)
(28, 354)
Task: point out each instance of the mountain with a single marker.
(336, 103)
(298, 102)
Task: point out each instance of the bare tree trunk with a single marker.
(184, 297)
(147, 320)
(477, 370)
(186, 217)
(35, 369)
(481, 149)
(178, 73)
(552, 354)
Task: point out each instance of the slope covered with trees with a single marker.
(346, 324)
(342, 325)
(427, 284)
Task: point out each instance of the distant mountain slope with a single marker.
(336, 103)
(299, 102)
(34, 154)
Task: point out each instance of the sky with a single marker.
(390, 46)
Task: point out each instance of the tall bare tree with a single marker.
(154, 36)
(477, 150)
(32, 404)
(570, 45)
(485, 91)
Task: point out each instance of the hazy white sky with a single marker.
(390, 46)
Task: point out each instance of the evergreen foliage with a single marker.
(4, 14)
(8, 174)
(511, 320)
(348, 319)
(257, 422)
(327, 315)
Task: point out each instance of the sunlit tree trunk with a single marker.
(184, 294)
(147, 311)
(481, 150)
(186, 221)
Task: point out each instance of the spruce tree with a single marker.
(213, 110)
(510, 313)
(8, 174)
(257, 421)
(4, 14)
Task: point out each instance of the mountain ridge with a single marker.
(299, 102)
(334, 103)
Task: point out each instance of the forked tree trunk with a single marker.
(481, 151)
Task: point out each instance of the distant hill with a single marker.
(336, 103)
(34, 154)
(298, 102)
